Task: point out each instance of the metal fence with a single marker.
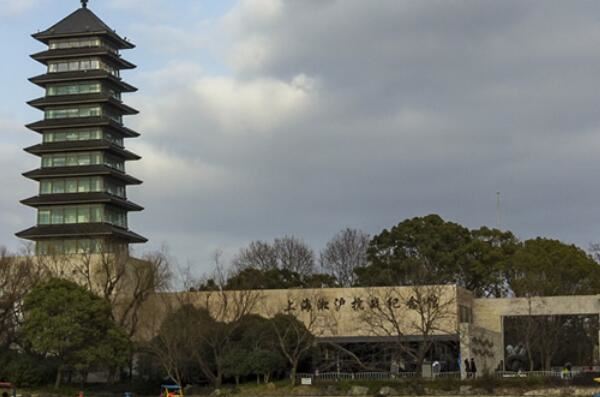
(400, 376)
(382, 376)
(538, 374)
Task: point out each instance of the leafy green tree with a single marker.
(421, 250)
(482, 261)
(256, 338)
(545, 267)
(72, 325)
(430, 250)
(236, 363)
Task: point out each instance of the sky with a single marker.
(264, 118)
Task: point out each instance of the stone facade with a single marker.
(346, 314)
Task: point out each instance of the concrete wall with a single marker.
(484, 346)
(328, 312)
(488, 313)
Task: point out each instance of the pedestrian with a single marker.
(467, 368)
(473, 368)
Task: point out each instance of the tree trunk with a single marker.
(237, 380)
(293, 372)
(58, 377)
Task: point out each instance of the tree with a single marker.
(65, 321)
(294, 255)
(429, 250)
(545, 267)
(482, 262)
(294, 337)
(177, 335)
(288, 254)
(17, 277)
(256, 338)
(259, 255)
(344, 253)
(420, 310)
(418, 250)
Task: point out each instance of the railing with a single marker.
(400, 376)
(538, 374)
(384, 376)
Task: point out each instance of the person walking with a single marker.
(467, 368)
(473, 368)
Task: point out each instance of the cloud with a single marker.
(10, 8)
(305, 117)
(348, 114)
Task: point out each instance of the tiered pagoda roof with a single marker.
(82, 179)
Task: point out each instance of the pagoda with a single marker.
(82, 204)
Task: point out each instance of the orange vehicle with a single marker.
(171, 391)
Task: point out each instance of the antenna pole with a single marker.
(498, 210)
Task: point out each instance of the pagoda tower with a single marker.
(82, 205)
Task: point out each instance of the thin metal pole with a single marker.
(498, 210)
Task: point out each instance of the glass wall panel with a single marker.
(96, 213)
(73, 135)
(74, 88)
(70, 215)
(72, 185)
(82, 42)
(78, 246)
(81, 65)
(74, 160)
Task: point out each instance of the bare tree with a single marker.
(295, 339)
(294, 255)
(421, 311)
(259, 255)
(17, 277)
(345, 252)
(287, 253)
(170, 347)
(216, 317)
(124, 281)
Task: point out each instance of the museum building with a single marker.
(82, 204)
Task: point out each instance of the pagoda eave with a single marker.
(80, 230)
(61, 54)
(82, 122)
(63, 100)
(90, 170)
(66, 77)
(81, 146)
(81, 198)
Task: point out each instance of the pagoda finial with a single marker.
(84, 3)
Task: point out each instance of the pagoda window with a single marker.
(72, 185)
(115, 189)
(76, 246)
(76, 112)
(82, 42)
(72, 159)
(87, 134)
(81, 214)
(114, 162)
(112, 138)
(74, 89)
(81, 65)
